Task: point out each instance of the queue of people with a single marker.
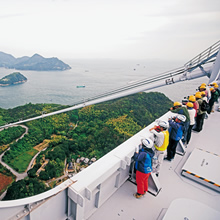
(190, 115)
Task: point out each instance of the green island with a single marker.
(12, 79)
(67, 143)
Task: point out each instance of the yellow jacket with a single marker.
(163, 147)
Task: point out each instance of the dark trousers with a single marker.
(199, 122)
(211, 103)
(171, 149)
(189, 132)
(185, 133)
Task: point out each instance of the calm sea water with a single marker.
(98, 76)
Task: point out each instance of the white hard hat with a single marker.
(148, 143)
(181, 118)
(163, 124)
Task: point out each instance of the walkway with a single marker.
(122, 205)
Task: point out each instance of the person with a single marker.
(214, 98)
(143, 166)
(207, 91)
(192, 113)
(216, 87)
(192, 99)
(176, 130)
(179, 109)
(204, 97)
(161, 141)
(202, 88)
(200, 114)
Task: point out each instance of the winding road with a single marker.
(19, 176)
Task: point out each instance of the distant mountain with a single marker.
(36, 62)
(12, 79)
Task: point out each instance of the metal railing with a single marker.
(207, 56)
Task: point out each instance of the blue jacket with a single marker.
(143, 161)
(176, 130)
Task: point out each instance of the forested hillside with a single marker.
(89, 132)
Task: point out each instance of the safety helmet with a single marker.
(203, 93)
(163, 124)
(198, 95)
(177, 104)
(211, 89)
(202, 87)
(148, 143)
(216, 86)
(214, 83)
(192, 98)
(203, 84)
(189, 104)
(181, 117)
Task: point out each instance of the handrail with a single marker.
(202, 58)
(205, 55)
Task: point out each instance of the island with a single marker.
(36, 62)
(12, 79)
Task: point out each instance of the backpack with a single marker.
(204, 106)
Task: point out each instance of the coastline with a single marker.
(15, 83)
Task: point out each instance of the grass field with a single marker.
(21, 162)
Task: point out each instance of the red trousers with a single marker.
(142, 182)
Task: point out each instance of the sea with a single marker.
(88, 78)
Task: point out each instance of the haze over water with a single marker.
(98, 76)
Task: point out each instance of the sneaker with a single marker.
(137, 195)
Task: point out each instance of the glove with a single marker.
(137, 149)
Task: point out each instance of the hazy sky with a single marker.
(125, 29)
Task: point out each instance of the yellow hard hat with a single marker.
(198, 95)
(189, 104)
(216, 86)
(192, 98)
(177, 104)
(202, 93)
(211, 89)
(203, 84)
(202, 87)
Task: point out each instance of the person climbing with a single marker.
(161, 141)
(143, 166)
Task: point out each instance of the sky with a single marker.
(111, 29)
